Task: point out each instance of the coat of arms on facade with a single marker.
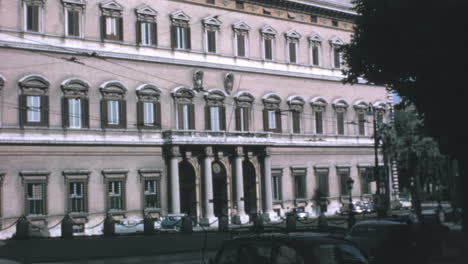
(198, 80)
(228, 82)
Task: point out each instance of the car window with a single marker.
(285, 254)
(350, 255)
(228, 255)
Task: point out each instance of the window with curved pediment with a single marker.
(34, 101)
(244, 102)
(380, 109)
(113, 105)
(75, 103)
(272, 113)
(341, 107)
(183, 97)
(148, 107)
(319, 106)
(360, 108)
(296, 107)
(215, 112)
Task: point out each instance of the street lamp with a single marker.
(351, 218)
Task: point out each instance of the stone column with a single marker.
(268, 184)
(208, 179)
(241, 217)
(175, 189)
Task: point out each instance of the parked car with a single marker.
(292, 248)
(299, 213)
(359, 207)
(172, 221)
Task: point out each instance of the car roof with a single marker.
(303, 237)
(380, 223)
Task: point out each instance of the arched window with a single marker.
(215, 112)
(148, 107)
(340, 106)
(244, 101)
(183, 97)
(272, 113)
(380, 108)
(296, 106)
(319, 106)
(34, 101)
(113, 105)
(75, 103)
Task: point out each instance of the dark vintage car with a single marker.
(292, 248)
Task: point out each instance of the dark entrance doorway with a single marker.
(188, 194)
(250, 189)
(219, 190)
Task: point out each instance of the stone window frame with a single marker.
(77, 176)
(112, 8)
(215, 98)
(75, 88)
(244, 100)
(268, 32)
(180, 19)
(241, 28)
(336, 43)
(149, 93)
(343, 186)
(183, 95)
(211, 24)
(315, 40)
(292, 37)
(113, 91)
(34, 177)
(340, 105)
(322, 168)
(361, 108)
(111, 175)
(41, 7)
(299, 171)
(80, 7)
(319, 104)
(380, 108)
(278, 173)
(296, 107)
(151, 174)
(272, 102)
(365, 167)
(34, 85)
(145, 14)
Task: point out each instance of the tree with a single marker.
(417, 155)
(413, 48)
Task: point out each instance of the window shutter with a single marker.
(157, 115)
(103, 28)
(23, 111)
(292, 52)
(65, 114)
(120, 28)
(84, 112)
(44, 110)
(140, 118)
(191, 116)
(222, 118)
(296, 122)
(246, 118)
(265, 120)
(29, 18)
(154, 36)
(315, 55)
(76, 23)
(103, 113)
(123, 113)
(207, 118)
(240, 45)
(71, 28)
(318, 123)
(238, 118)
(180, 116)
(188, 39)
(278, 121)
(138, 32)
(173, 36)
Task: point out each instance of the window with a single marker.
(240, 4)
(34, 101)
(115, 195)
(292, 52)
(276, 181)
(322, 179)
(336, 45)
(292, 43)
(365, 186)
(319, 122)
(340, 123)
(343, 175)
(33, 15)
(211, 27)
(272, 113)
(361, 124)
(111, 21)
(244, 103)
(74, 10)
(152, 195)
(73, 21)
(75, 104)
(148, 107)
(76, 182)
(313, 19)
(241, 32)
(35, 183)
(268, 37)
(315, 47)
(319, 105)
(113, 105)
(296, 105)
(240, 41)
(215, 113)
(266, 11)
(76, 196)
(210, 2)
(146, 26)
(336, 57)
(180, 31)
(340, 106)
(299, 187)
(115, 184)
(211, 41)
(335, 23)
(296, 122)
(183, 97)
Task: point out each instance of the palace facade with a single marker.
(143, 108)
